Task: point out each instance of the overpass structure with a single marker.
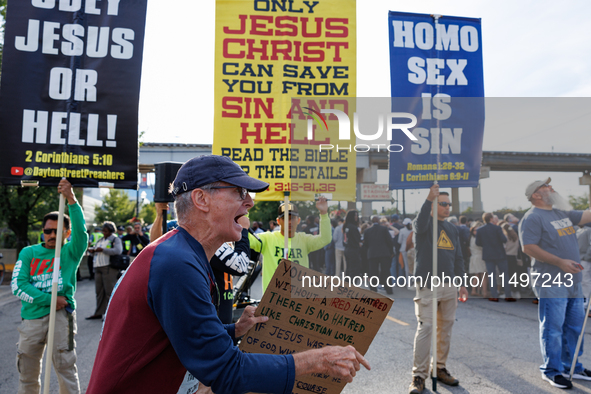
(369, 162)
(152, 153)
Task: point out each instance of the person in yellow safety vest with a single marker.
(138, 240)
(300, 244)
(95, 236)
(121, 234)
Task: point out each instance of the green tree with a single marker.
(503, 211)
(519, 212)
(19, 208)
(148, 213)
(390, 211)
(264, 211)
(306, 208)
(117, 207)
(24, 207)
(22, 210)
(580, 203)
(3, 14)
(468, 211)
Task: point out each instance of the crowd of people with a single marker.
(180, 285)
(108, 245)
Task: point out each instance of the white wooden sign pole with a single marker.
(54, 288)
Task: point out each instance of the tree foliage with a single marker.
(148, 213)
(22, 210)
(116, 207)
(264, 211)
(519, 212)
(24, 207)
(390, 211)
(305, 208)
(580, 203)
(3, 16)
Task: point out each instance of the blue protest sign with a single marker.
(436, 74)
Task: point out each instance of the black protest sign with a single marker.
(304, 313)
(70, 91)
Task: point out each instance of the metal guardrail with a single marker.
(496, 160)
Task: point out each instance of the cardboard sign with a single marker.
(310, 317)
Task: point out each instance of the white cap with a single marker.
(534, 186)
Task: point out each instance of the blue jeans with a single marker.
(395, 267)
(561, 321)
(503, 269)
(329, 263)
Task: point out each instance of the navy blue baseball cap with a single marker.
(395, 217)
(203, 170)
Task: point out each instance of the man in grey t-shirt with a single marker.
(548, 236)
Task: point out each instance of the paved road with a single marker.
(86, 340)
(495, 347)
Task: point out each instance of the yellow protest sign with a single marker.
(268, 52)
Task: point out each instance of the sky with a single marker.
(530, 49)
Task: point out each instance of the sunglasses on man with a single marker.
(48, 231)
(445, 204)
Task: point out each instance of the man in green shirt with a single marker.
(300, 244)
(31, 282)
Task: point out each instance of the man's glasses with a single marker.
(445, 204)
(48, 231)
(243, 192)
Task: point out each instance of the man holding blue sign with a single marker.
(436, 75)
(451, 263)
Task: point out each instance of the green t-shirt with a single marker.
(33, 272)
(299, 247)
